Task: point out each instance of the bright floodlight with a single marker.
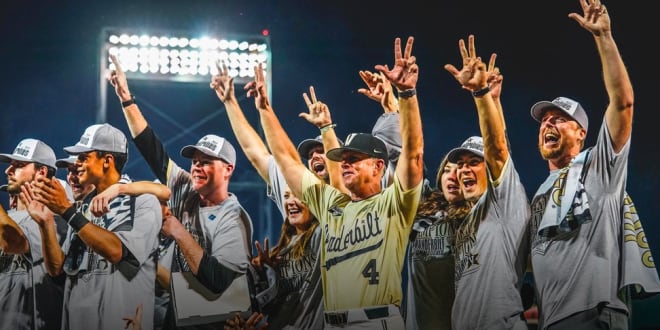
(185, 58)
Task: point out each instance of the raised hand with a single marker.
(473, 76)
(38, 211)
(405, 72)
(263, 256)
(319, 114)
(117, 79)
(595, 19)
(258, 89)
(495, 78)
(222, 83)
(378, 89)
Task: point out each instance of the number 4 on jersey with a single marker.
(370, 272)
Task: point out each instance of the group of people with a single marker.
(97, 250)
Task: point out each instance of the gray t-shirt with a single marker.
(578, 269)
(97, 293)
(430, 293)
(25, 284)
(489, 267)
(221, 230)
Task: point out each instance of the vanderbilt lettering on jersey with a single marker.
(361, 231)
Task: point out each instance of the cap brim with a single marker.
(452, 156)
(540, 108)
(7, 158)
(335, 154)
(306, 145)
(63, 163)
(189, 152)
(74, 150)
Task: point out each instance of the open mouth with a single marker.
(293, 211)
(318, 167)
(467, 183)
(550, 138)
(453, 188)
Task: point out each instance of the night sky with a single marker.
(50, 75)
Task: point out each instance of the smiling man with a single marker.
(211, 229)
(107, 259)
(365, 232)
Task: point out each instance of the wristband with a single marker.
(68, 213)
(74, 218)
(408, 93)
(481, 92)
(77, 221)
(129, 102)
(327, 128)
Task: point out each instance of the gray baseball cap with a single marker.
(214, 146)
(569, 106)
(473, 144)
(31, 151)
(363, 143)
(306, 145)
(101, 137)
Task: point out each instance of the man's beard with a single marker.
(14, 188)
(553, 153)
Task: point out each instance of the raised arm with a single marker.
(474, 78)
(619, 113)
(404, 74)
(146, 141)
(117, 78)
(319, 116)
(386, 127)
(253, 146)
(280, 144)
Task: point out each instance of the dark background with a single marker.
(50, 76)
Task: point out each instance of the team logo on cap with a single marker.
(25, 149)
(86, 138)
(566, 104)
(209, 143)
(473, 143)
